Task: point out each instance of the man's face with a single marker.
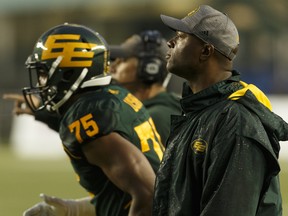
(183, 55)
(124, 71)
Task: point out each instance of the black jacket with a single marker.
(221, 157)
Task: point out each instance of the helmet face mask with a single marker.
(40, 93)
(64, 59)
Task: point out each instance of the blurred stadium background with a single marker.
(31, 158)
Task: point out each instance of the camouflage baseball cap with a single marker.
(211, 26)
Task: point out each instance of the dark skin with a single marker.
(196, 61)
(127, 167)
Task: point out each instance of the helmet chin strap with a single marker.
(96, 81)
(69, 93)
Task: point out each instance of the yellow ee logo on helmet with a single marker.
(69, 46)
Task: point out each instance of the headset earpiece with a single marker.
(151, 67)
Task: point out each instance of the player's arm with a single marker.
(20, 106)
(127, 167)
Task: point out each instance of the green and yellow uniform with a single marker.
(97, 113)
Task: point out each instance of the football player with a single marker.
(106, 132)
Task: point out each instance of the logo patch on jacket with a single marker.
(199, 146)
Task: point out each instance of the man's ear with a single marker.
(207, 51)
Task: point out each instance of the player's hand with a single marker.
(51, 206)
(20, 106)
(54, 206)
(40, 209)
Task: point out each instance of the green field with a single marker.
(23, 180)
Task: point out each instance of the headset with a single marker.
(151, 66)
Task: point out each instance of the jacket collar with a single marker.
(192, 102)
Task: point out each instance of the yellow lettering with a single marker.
(145, 132)
(133, 102)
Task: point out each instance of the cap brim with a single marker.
(174, 24)
(119, 52)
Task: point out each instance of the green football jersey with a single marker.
(97, 113)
